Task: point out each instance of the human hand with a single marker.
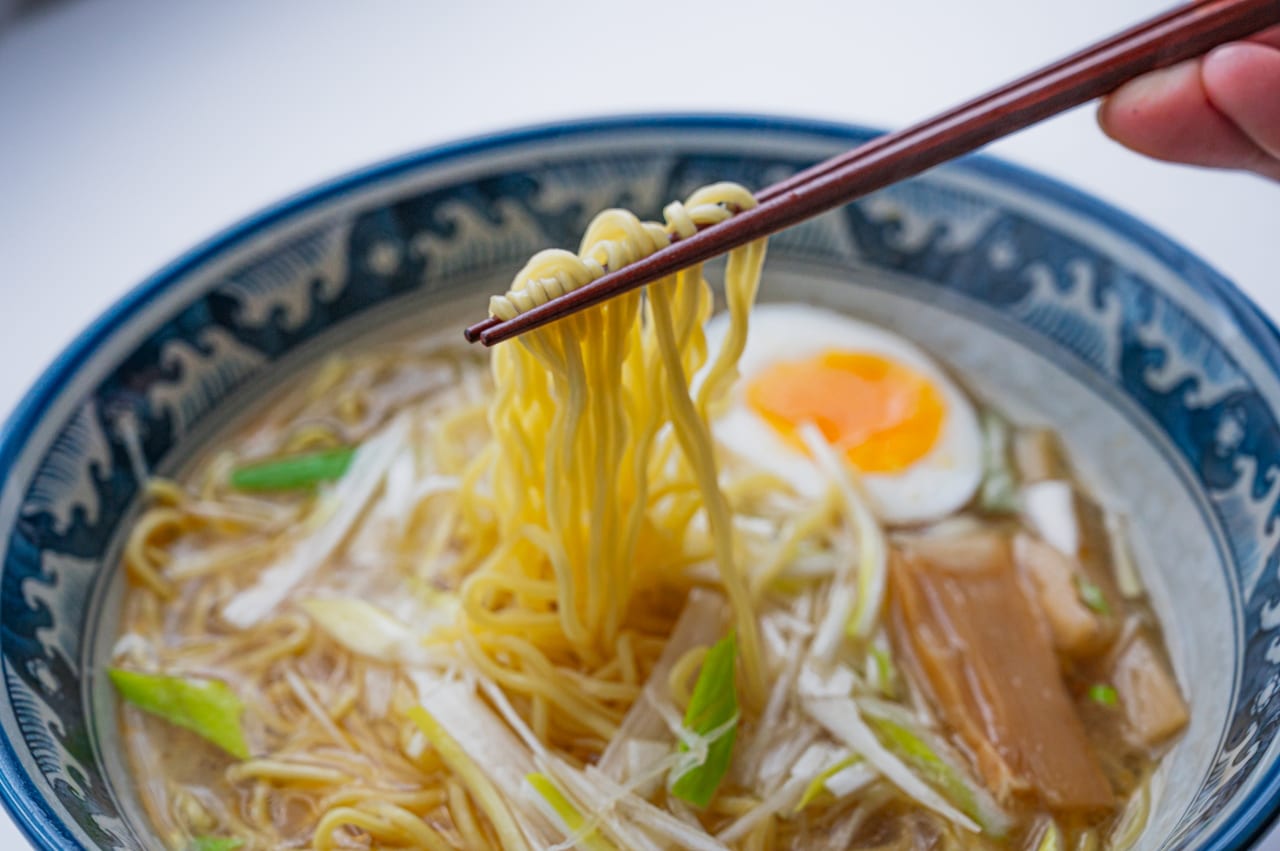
(1221, 110)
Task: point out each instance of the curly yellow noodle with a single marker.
(626, 659)
(260, 809)
(464, 817)
(296, 637)
(344, 702)
(609, 429)
(429, 558)
(308, 700)
(145, 561)
(276, 770)
(734, 805)
(312, 436)
(419, 800)
(538, 677)
(165, 492)
(680, 677)
(384, 823)
(540, 717)
(600, 688)
(695, 439)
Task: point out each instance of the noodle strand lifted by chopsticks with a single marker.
(604, 386)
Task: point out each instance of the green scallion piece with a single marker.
(1091, 595)
(208, 708)
(713, 717)
(564, 809)
(293, 472)
(884, 670)
(215, 843)
(819, 783)
(909, 747)
(1051, 839)
(1103, 694)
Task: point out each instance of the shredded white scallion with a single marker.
(346, 501)
(840, 716)
(848, 780)
(600, 808)
(366, 630)
(1049, 508)
(780, 800)
(873, 553)
(654, 819)
(700, 624)
(642, 756)
(490, 744)
(781, 756)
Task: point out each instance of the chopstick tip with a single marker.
(475, 333)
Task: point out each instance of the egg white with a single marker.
(933, 487)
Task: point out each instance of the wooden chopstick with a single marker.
(475, 332)
(1181, 34)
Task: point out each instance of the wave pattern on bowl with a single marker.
(1055, 270)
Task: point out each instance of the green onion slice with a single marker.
(208, 708)
(710, 726)
(585, 837)
(215, 843)
(1091, 595)
(1103, 694)
(293, 472)
(819, 783)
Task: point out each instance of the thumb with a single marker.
(1243, 81)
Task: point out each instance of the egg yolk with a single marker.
(884, 416)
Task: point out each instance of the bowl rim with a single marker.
(31, 812)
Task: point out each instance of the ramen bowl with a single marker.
(1163, 380)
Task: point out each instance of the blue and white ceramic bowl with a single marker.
(1163, 378)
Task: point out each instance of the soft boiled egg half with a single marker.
(882, 404)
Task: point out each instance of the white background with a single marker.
(130, 130)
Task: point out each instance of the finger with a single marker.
(1243, 81)
(1271, 37)
(1168, 115)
